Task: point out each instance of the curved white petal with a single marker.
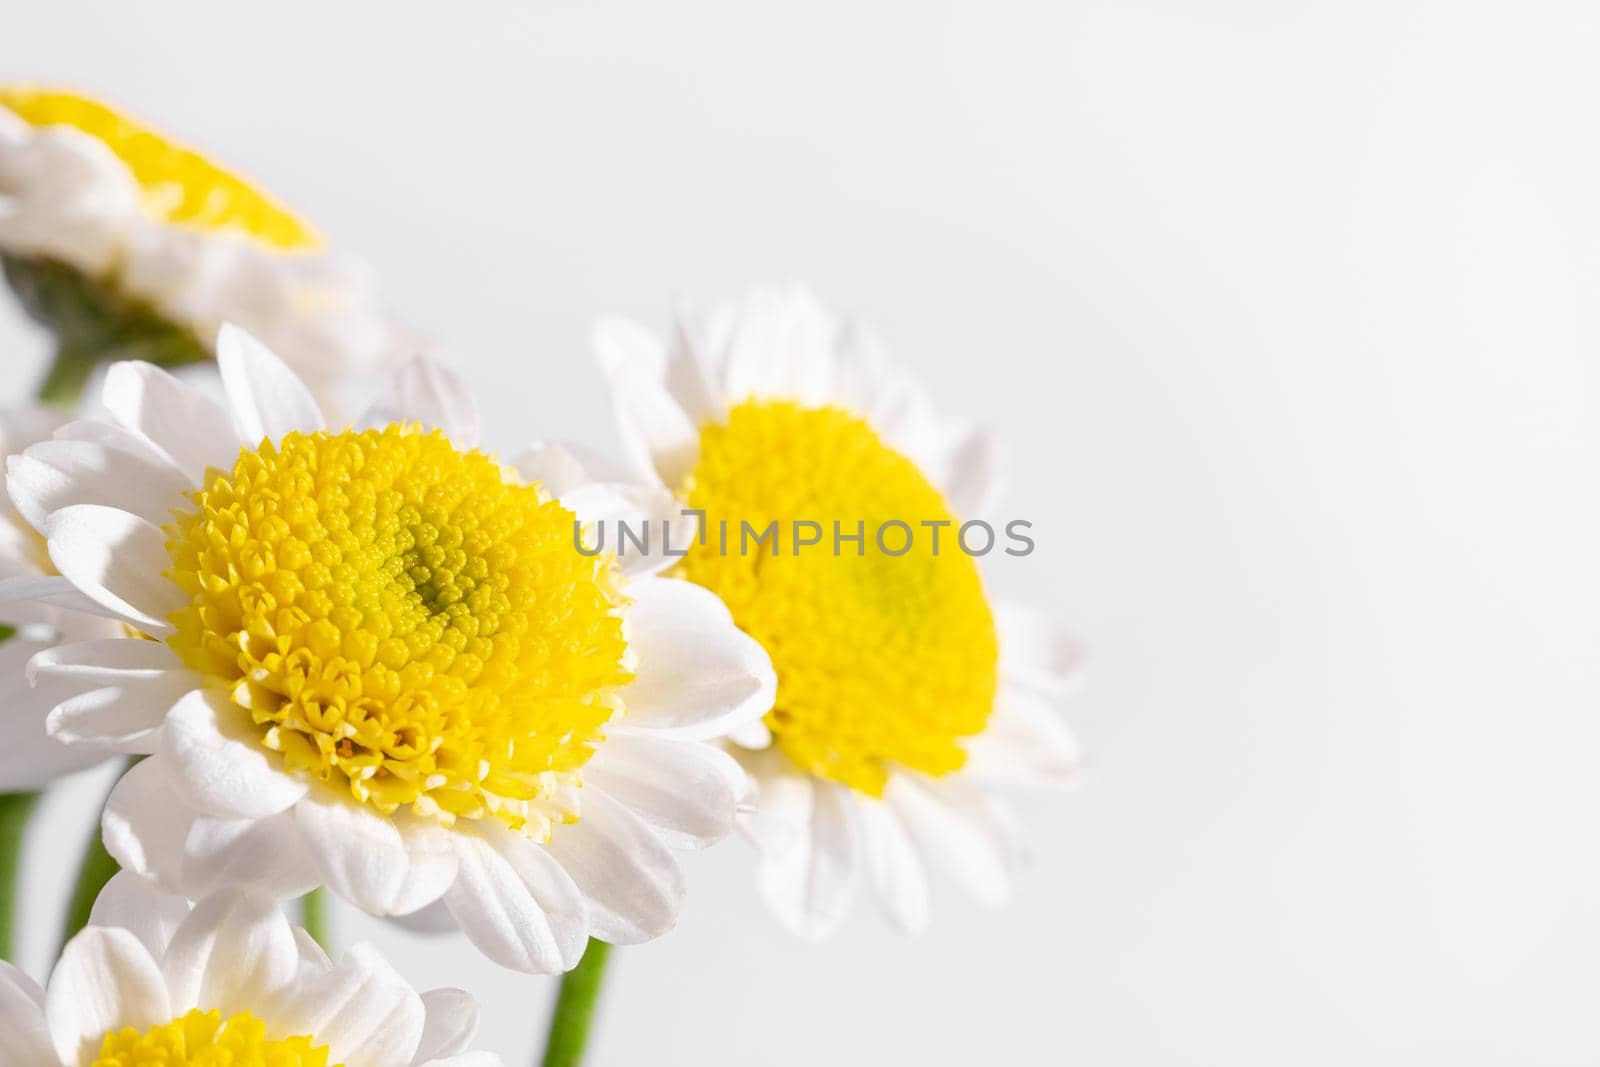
(516, 903)
(431, 863)
(233, 951)
(120, 718)
(362, 856)
(1026, 743)
(106, 980)
(26, 591)
(217, 764)
(778, 341)
(698, 675)
(266, 856)
(687, 790)
(145, 823)
(29, 757)
(265, 397)
(894, 865)
(970, 475)
(962, 831)
(467, 1059)
(362, 1009)
(136, 905)
(1036, 649)
(117, 560)
(178, 420)
(658, 434)
(428, 392)
(452, 1019)
(23, 1032)
(56, 474)
(630, 879)
(804, 830)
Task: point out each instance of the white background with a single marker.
(1287, 314)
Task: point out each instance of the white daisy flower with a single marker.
(373, 658)
(904, 693)
(114, 231)
(29, 757)
(153, 982)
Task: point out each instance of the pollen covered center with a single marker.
(179, 184)
(396, 618)
(883, 658)
(206, 1039)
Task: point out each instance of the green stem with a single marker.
(69, 373)
(575, 1003)
(314, 917)
(14, 811)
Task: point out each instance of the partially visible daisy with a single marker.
(904, 693)
(29, 757)
(374, 658)
(119, 237)
(154, 983)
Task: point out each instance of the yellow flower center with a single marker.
(206, 1039)
(179, 184)
(397, 619)
(883, 659)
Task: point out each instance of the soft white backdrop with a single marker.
(1287, 314)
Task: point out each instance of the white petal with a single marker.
(362, 855)
(1036, 650)
(650, 545)
(560, 467)
(218, 765)
(145, 823)
(264, 855)
(698, 675)
(23, 1033)
(54, 591)
(106, 980)
(29, 757)
(233, 951)
(431, 863)
(265, 397)
(451, 1022)
(687, 790)
(630, 879)
(970, 475)
(117, 559)
(516, 903)
(181, 422)
(779, 341)
(428, 392)
(809, 878)
(1026, 743)
(362, 1010)
(136, 905)
(657, 432)
(894, 865)
(56, 474)
(123, 691)
(431, 919)
(961, 830)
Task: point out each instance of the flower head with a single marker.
(904, 692)
(156, 982)
(120, 237)
(376, 659)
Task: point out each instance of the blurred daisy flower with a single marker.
(904, 693)
(375, 659)
(154, 983)
(127, 244)
(29, 757)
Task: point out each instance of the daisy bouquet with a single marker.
(368, 658)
